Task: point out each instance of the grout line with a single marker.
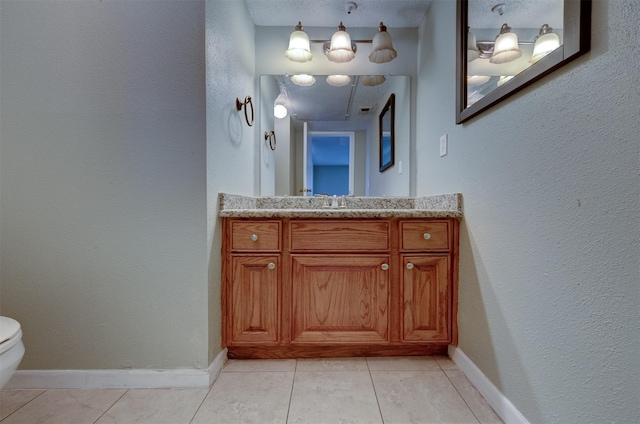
(202, 403)
(461, 396)
(22, 406)
(293, 382)
(107, 410)
(375, 393)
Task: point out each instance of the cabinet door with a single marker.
(426, 298)
(254, 298)
(340, 298)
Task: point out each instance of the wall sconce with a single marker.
(338, 80)
(271, 138)
(373, 80)
(545, 42)
(303, 80)
(240, 105)
(299, 50)
(506, 46)
(280, 106)
(341, 50)
(382, 50)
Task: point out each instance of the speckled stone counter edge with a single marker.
(437, 206)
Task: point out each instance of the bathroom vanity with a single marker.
(376, 278)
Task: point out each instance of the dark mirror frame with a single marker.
(389, 108)
(576, 42)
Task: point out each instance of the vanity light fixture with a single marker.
(477, 79)
(338, 80)
(373, 80)
(472, 47)
(506, 46)
(382, 50)
(303, 80)
(280, 106)
(503, 79)
(299, 50)
(545, 42)
(340, 49)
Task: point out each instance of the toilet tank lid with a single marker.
(9, 327)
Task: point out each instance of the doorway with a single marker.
(329, 163)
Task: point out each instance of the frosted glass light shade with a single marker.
(299, 50)
(340, 50)
(373, 80)
(303, 80)
(477, 79)
(544, 45)
(472, 48)
(506, 47)
(382, 50)
(338, 80)
(503, 79)
(280, 107)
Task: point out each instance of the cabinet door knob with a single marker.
(409, 265)
(254, 237)
(271, 265)
(426, 236)
(384, 267)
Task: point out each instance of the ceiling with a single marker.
(324, 13)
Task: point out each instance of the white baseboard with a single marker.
(498, 401)
(107, 379)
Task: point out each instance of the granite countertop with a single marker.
(438, 206)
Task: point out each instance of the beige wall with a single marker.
(548, 305)
(103, 183)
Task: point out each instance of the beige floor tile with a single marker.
(445, 363)
(332, 364)
(155, 406)
(419, 397)
(12, 400)
(253, 365)
(479, 406)
(333, 397)
(247, 397)
(66, 406)
(403, 363)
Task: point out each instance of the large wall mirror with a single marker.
(504, 45)
(320, 111)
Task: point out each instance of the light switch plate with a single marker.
(444, 145)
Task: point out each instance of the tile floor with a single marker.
(342, 390)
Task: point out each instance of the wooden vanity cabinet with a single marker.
(338, 287)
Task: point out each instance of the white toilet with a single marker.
(11, 348)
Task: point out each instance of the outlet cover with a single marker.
(444, 141)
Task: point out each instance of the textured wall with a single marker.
(548, 305)
(103, 214)
(232, 146)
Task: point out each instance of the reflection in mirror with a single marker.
(321, 107)
(386, 139)
(505, 47)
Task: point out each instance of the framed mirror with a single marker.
(387, 136)
(484, 78)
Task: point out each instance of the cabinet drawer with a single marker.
(255, 236)
(424, 236)
(339, 235)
